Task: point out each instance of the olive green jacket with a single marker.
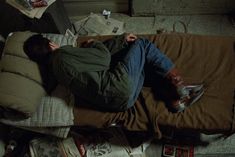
(87, 72)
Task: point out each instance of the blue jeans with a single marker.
(143, 52)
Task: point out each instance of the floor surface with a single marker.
(195, 24)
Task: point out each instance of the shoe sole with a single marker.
(194, 88)
(197, 97)
(182, 106)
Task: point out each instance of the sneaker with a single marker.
(194, 88)
(195, 93)
(185, 90)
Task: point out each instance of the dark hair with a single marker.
(37, 48)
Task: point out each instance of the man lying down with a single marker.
(109, 77)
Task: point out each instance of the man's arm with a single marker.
(119, 42)
(114, 44)
(92, 43)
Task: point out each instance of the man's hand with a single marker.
(130, 38)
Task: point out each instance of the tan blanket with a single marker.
(207, 60)
(200, 59)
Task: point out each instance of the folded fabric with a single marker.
(54, 115)
(52, 112)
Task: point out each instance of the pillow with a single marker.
(21, 87)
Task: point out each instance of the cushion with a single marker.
(21, 87)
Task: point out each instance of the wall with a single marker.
(84, 7)
(181, 7)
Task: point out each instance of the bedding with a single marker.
(200, 59)
(53, 116)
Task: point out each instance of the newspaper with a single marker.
(170, 150)
(111, 142)
(32, 13)
(96, 24)
(105, 143)
(53, 147)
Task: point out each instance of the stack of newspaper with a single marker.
(96, 24)
(30, 10)
(110, 142)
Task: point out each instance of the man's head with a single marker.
(38, 48)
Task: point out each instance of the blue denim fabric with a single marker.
(142, 52)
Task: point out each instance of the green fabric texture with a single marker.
(86, 72)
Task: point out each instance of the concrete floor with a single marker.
(196, 24)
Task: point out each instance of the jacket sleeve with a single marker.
(99, 45)
(116, 44)
(106, 90)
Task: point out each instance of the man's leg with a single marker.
(158, 61)
(141, 52)
(134, 62)
(163, 66)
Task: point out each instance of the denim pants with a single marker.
(143, 52)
